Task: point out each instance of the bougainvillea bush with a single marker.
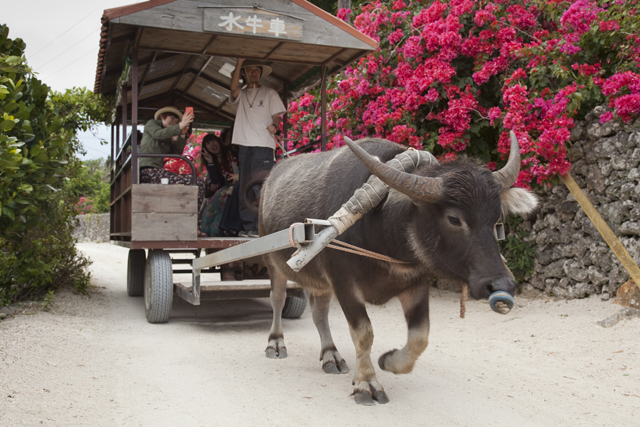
(454, 77)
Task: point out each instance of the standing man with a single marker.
(257, 121)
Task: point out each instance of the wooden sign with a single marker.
(253, 22)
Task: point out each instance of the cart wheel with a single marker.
(294, 307)
(158, 286)
(135, 272)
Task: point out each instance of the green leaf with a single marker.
(42, 158)
(8, 212)
(7, 125)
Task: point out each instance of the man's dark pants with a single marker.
(254, 162)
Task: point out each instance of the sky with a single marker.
(62, 40)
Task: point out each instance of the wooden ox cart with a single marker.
(181, 53)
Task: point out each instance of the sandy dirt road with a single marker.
(95, 361)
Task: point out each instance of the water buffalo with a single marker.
(439, 220)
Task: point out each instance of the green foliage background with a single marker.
(38, 163)
(91, 186)
(519, 252)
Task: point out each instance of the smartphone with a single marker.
(188, 110)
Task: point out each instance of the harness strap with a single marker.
(348, 248)
(363, 252)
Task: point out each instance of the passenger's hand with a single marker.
(235, 177)
(186, 121)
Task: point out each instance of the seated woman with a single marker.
(165, 134)
(222, 169)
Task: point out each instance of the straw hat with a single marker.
(266, 70)
(173, 110)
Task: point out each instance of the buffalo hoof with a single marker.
(366, 397)
(330, 367)
(276, 353)
(383, 359)
(363, 398)
(396, 361)
(380, 396)
(332, 362)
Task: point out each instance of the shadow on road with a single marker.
(221, 315)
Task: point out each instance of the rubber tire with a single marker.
(135, 272)
(294, 307)
(158, 286)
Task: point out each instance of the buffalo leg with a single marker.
(415, 303)
(332, 362)
(366, 385)
(276, 348)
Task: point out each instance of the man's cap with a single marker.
(173, 110)
(266, 70)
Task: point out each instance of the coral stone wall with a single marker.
(92, 228)
(573, 259)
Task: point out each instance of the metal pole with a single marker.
(345, 4)
(323, 108)
(112, 161)
(117, 136)
(134, 118)
(124, 113)
(285, 121)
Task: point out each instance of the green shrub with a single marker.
(38, 163)
(43, 260)
(520, 254)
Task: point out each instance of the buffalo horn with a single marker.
(508, 175)
(414, 186)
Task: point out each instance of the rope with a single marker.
(353, 249)
(359, 251)
(291, 242)
(343, 219)
(463, 301)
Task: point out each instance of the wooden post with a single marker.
(605, 231)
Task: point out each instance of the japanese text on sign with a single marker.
(266, 24)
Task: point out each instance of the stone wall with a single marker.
(573, 259)
(92, 228)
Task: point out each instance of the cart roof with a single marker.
(187, 50)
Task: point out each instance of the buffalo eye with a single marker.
(454, 221)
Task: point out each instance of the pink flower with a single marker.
(395, 36)
(344, 14)
(417, 88)
(609, 26)
(494, 113)
(605, 117)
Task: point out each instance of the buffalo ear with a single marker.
(518, 201)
